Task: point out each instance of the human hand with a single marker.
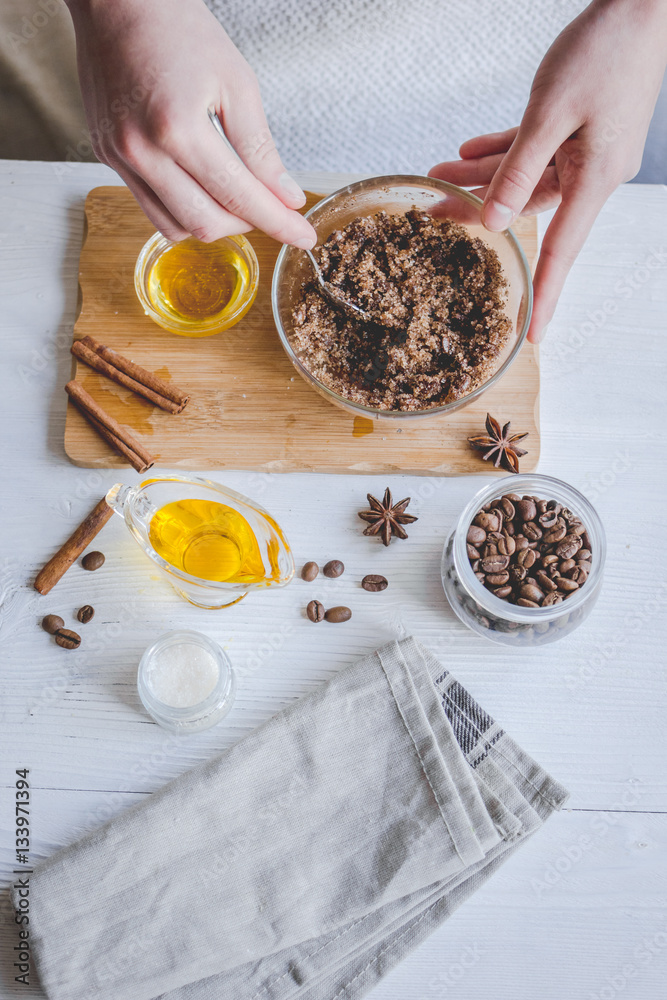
(582, 134)
(149, 72)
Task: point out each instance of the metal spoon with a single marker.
(330, 292)
(333, 295)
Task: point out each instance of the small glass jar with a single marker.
(196, 289)
(499, 620)
(212, 671)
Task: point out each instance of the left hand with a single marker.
(582, 134)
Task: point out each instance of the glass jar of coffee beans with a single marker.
(524, 563)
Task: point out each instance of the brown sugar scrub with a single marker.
(436, 297)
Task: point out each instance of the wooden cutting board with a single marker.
(249, 408)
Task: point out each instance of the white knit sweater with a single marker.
(389, 86)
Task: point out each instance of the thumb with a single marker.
(521, 170)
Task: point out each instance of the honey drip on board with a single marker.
(198, 281)
(207, 539)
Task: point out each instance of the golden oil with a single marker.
(200, 288)
(207, 539)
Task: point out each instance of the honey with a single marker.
(207, 539)
(196, 289)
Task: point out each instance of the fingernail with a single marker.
(497, 217)
(305, 244)
(292, 188)
(539, 337)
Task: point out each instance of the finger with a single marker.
(228, 181)
(518, 175)
(487, 145)
(564, 238)
(465, 173)
(247, 129)
(545, 196)
(151, 205)
(196, 213)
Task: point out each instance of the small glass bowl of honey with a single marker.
(196, 289)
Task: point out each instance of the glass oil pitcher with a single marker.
(212, 544)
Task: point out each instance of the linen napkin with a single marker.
(304, 861)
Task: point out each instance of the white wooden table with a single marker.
(579, 912)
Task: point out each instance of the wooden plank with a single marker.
(250, 409)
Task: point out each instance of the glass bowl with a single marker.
(396, 195)
(232, 254)
(190, 717)
(496, 619)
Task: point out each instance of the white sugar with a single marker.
(183, 675)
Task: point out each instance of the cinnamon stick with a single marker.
(110, 429)
(48, 577)
(83, 352)
(132, 376)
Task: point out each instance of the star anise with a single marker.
(385, 518)
(499, 445)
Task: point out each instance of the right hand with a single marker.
(149, 72)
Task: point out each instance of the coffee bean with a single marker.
(507, 545)
(585, 541)
(334, 568)
(374, 583)
(507, 507)
(338, 614)
(495, 563)
(315, 611)
(568, 547)
(554, 534)
(487, 521)
(86, 613)
(531, 592)
(531, 553)
(548, 519)
(476, 535)
(310, 571)
(526, 558)
(93, 560)
(67, 639)
(545, 582)
(525, 509)
(532, 531)
(51, 623)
